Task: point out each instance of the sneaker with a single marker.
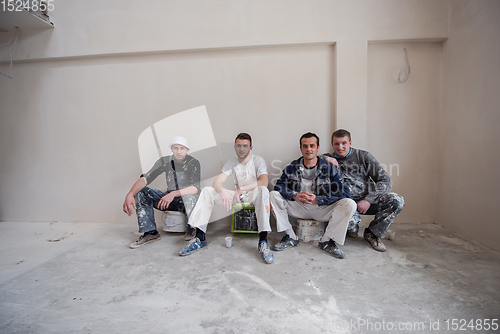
(190, 233)
(353, 233)
(374, 241)
(285, 242)
(331, 247)
(265, 252)
(193, 246)
(145, 239)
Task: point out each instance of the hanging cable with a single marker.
(10, 55)
(405, 70)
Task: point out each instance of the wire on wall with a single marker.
(405, 70)
(10, 55)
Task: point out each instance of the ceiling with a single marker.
(22, 19)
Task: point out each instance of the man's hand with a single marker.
(129, 204)
(237, 195)
(300, 197)
(363, 206)
(313, 200)
(333, 161)
(166, 200)
(305, 197)
(225, 199)
(310, 198)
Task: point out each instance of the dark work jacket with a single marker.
(328, 185)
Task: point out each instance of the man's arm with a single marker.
(328, 158)
(219, 180)
(194, 175)
(225, 198)
(143, 181)
(383, 182)
(282, 184)
(129, 198)
(337, 190)
(262, 181)
(168, 198)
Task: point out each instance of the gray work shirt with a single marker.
(188, 172)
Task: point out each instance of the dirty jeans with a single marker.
(147, 200)
(386, 208)
(337, 214)
(259, 198)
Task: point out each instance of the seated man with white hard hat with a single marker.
(182, 173)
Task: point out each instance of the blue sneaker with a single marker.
(193, 246)
(265, 252)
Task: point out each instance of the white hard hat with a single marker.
(181, 141)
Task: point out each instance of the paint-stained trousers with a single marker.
(337, 215)
(259, 198)
(385, 209)
(147, 200)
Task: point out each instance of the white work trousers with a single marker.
(259, 198)
(337, 214)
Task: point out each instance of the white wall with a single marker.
(401, 130)
(468, 135)
(72, 145)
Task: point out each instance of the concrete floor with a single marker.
(91, 282)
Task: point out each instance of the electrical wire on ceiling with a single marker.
(405, 70)
(10, 55)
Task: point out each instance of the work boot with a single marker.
(285, 242)
(375, 241)
(145, 239)
(353, 233)
(331, 247)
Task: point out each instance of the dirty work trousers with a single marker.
(259, 198)
(337, 215)
(147, 200)
(385, 209)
